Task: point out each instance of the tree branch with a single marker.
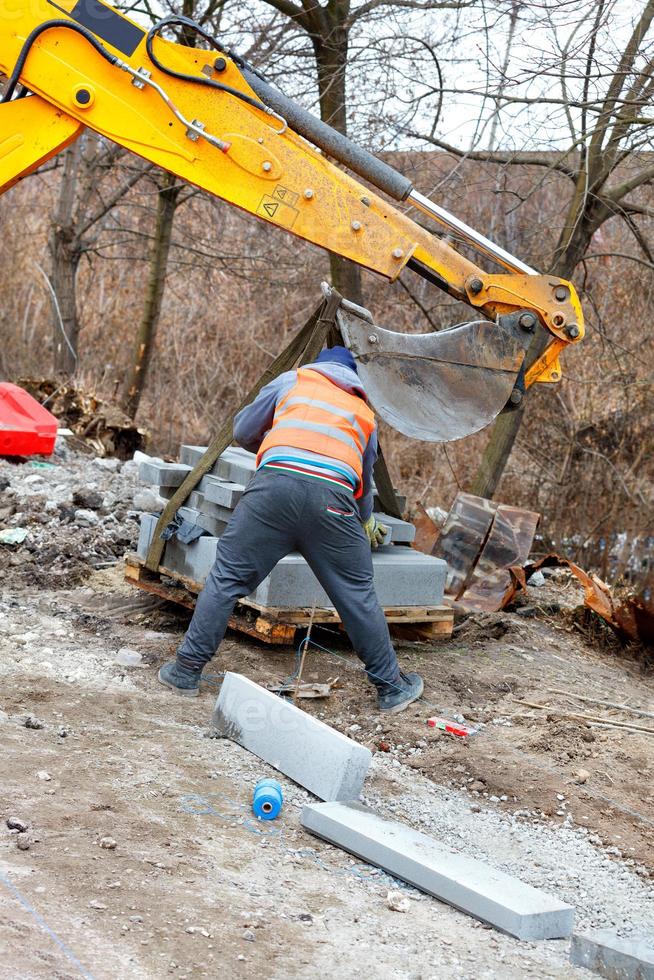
(610, 102)
(370, 5)
(498, 156)
(114, 199)
(615, 194)
(619, 255)
(421, 306)
(291, 10)
(638, 235)
(591, 105)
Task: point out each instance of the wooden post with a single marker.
(385, 489)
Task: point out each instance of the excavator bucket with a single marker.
(437, 386)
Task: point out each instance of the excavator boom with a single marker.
(212, 120)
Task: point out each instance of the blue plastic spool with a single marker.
(267, 800)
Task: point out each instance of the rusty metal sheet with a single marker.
(635, 619)
(632, 617)
(427, 530)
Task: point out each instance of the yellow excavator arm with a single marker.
(212, 120)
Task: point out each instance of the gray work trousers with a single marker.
(277, 514)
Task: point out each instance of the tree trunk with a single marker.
(331, 60)
(64, 257)
(573, 242)
(166, 205)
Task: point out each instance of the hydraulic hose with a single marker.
(114, 60)
(275, 103)
(200, 79)
(35, 34)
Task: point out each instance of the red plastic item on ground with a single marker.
(26, 427)
(453, 727)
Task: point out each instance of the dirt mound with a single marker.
(73, 511)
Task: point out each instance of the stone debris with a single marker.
(13, 535)
(86, 518)
(129, 658)
(33, 723)
(108, 843)
(88, 499)
(15, 823)
(147, 500)
(76, 517)
(109, 463)
(397, 902)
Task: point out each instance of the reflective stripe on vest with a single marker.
(318, 416)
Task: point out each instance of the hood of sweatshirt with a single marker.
(344, 377)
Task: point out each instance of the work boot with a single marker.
(182, 679)
(396, 697)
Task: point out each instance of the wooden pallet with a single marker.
(279, 626)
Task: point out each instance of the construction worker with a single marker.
(316, 443)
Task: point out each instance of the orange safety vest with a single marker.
(318, 416)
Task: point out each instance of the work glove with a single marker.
(375, 531)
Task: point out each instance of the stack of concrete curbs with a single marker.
(403, 576)
(333, 767)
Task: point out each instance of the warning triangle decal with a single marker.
(270, 209)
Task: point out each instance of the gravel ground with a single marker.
(560, 860)
(141, 859)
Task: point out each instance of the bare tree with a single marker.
(168, 197)
(604, 100)
(169, 190)
(91, 184)
(330, 28)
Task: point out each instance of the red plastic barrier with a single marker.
(26, 427)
